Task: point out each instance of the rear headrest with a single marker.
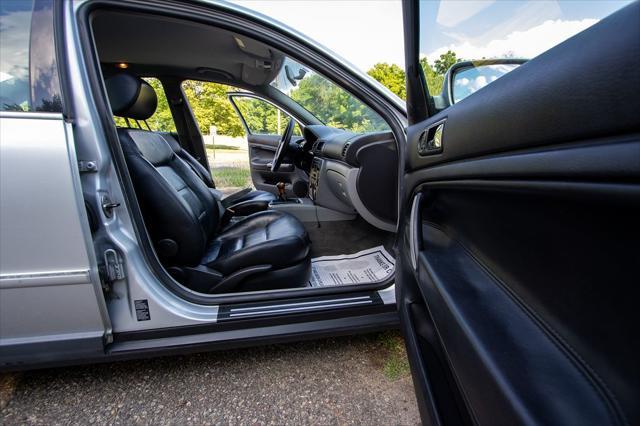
(131, 96)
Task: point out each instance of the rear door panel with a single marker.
(51, 301)
(526, 242)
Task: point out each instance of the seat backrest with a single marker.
(195, 165)
(179, 210)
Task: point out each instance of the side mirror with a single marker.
(292, 77)
(465, 78)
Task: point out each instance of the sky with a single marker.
(361, 31)
(367, 32)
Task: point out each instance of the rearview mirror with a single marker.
(465, 78)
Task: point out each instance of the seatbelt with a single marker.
(229, 200)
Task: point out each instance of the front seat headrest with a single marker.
(131, 96)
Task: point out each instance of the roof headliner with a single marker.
(184, 48)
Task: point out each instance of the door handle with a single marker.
(430, 140)
(414, 230)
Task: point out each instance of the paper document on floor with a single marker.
(366, 266)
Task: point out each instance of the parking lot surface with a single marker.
(349, 380)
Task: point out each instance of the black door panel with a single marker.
(526, 242)
(527, 283)
(261, 151)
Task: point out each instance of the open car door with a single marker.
(256, 115)
(518, 280)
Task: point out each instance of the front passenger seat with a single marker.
(266, 250)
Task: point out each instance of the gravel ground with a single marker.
(332, 381)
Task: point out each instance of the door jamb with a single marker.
(419, 105)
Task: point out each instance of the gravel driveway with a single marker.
(350, 380)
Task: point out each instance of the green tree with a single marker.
(442, 64)
(161, 120)
(434, 80)
(391, 76)
(335, 106)
(261, 116)
(211, 107)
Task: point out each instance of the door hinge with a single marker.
(89, 166)
(113, 269)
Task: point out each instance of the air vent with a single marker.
(344, 149)
(318, 146)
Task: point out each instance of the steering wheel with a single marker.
(282, 146)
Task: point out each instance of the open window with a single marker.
(324, 176)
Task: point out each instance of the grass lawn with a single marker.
(224, 147)
(225, 177)
(394, 357)
(230, 167)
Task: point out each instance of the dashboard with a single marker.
(354, 173)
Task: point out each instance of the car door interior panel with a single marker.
(261, 150)
(524, 236)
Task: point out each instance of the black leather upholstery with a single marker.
(131, 97)
(175, 203)
(251, 239)
(198, 168)
(183, 219)
(244, 205)
(251, 202)
(529, 261)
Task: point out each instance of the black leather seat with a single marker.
(241, 204)
(266, 250)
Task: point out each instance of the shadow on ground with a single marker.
(349, 380)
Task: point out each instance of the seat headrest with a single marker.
(131, 96)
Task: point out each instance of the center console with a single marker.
(313, 209)
(307, 211)
(314, 178)
(287, 201)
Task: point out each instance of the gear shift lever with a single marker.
(281, 191)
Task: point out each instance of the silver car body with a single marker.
(51, 298)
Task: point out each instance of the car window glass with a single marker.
(263, 118)
(478, 31)
(222, 132)
(327, 101)
(28, 74)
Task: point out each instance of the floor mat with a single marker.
(364, 267)
(348, 236)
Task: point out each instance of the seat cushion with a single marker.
(265, 238)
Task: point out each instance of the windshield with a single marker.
(475, 30)
(331, 104)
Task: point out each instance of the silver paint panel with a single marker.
(166, 309)
(42, 279)
(46, 287)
